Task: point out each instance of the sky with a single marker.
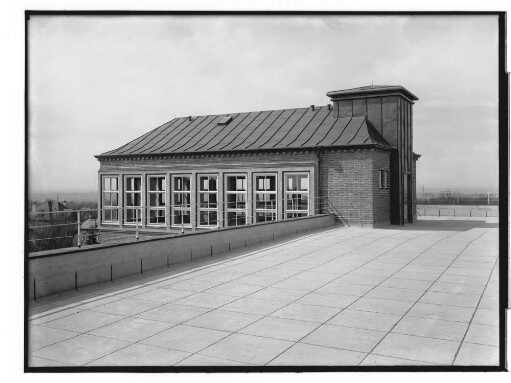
(96, 83)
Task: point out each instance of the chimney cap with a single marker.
(372, 90)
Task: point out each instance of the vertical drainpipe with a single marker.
(318, 200)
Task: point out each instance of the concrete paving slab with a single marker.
(197, 360)
(450, 299)
(388, 306)
(131, 329)
(278, 294)
(486, 317)
(398, 283)
(173, 313)
(380, 360)
(477, 355)
(457, 288)
(80, 350)
(365, 320)
(483, 334)
(327, 300)
(253, 306)
(247, 349)
(311, 355)
(126, 306)
(407, 295)
(205, 300)
(443, 312)
(297, 311)
(141, 355)
(223, 320)
(280, 328)
(418, 348)
(163, 295)
(84, 321)
(233, 289)
(431, 328)
(186, 338)
(39, 336)
(347, 338)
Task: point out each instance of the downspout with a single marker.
(319, 200)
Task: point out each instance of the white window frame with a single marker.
(208, 192)
(133, 207)
(110, 207)
(236, 192)
(265, 192)
(158, 208)
(181, 208)
(287, 193)
(387, 179)
(381, 179)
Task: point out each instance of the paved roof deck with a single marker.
(422, 294)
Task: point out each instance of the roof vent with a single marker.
(225, 120)
(312, 107)
(329, 106)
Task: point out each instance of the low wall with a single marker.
(56, 271)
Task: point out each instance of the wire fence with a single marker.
(458, 198)
(75, 228)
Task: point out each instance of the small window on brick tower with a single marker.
(381, 179)
(387, 179)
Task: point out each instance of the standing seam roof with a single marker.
(278, 129)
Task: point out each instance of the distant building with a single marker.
(352, 158)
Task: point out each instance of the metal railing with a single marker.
(50, 226)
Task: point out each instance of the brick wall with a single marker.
(349, 179)
(381, 197)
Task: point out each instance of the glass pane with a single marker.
(178, 184)
(186, 183)
(304, 183)
(212, 183)
(264, 217)
(138, 183)
(157, 216)
(213, 218)
(107, 201)
(231, 183)
(138, 199)
(115, 216)
(181, 217)
(153, 183)
(260, 183)
(108, 215)
(239, 184)
(203, 218)
(130, 199)
(129, 183)
(106, 183)
(114, 185)
(236, 218)
(115, 201)
(204, 184)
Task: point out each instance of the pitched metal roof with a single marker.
(377, 90)
(275, 129)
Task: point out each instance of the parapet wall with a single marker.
(62, 270)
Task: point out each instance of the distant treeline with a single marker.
(457, 198)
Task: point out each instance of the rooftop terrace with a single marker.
(416, 295)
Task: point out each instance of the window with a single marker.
(110, 199)
(181, 201)
(387, 179)
(133, 199)
(297, 194)
(208, 201)
(236, 197)
(265, 198)
(156, 196)
(381, 179)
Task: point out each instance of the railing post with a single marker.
(136, 223)
(78, 215)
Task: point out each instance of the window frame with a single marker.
(256, 192)
(227, 192)
(387, 179)
(133, 207)
(110, 207)
(296, 212)
(180, 207)
(208, 192)
(150, 192)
